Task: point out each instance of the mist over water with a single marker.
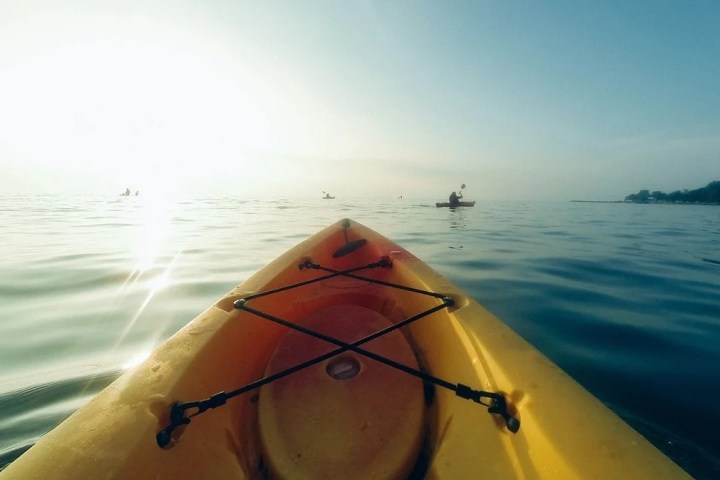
(623, 297)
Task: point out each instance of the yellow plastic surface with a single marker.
(365, 418)
(565, 432)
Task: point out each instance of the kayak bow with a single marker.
(346, 357)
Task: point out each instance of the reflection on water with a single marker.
(137, 359)
(457, 220)
(458, 217)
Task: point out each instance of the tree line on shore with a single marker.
(707, 194)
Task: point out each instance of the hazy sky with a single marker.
(518, 99)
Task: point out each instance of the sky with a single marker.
(525, 100)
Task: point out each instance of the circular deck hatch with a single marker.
(346, 417)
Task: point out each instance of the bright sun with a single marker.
(141, 113)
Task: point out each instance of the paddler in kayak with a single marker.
(454, 199)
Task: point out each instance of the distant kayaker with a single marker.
(454, 199)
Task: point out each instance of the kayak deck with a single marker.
(346, 415)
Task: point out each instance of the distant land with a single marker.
(708, 195)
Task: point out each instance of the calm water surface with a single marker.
(625, 298)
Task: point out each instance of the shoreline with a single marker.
(642, 203)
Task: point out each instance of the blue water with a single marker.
(624, 297)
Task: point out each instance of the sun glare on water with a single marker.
(136, 359)
(154, 258)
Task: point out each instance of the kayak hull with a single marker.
(460, 204)
(565, 432)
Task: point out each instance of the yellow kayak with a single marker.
(346, 357)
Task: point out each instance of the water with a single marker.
(625, 298)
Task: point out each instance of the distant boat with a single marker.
(460, 204)
(457, 196)
(328, 196)
(126, 193)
